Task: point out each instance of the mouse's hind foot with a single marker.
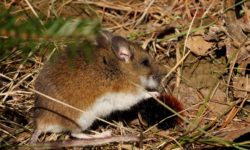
(91, 136)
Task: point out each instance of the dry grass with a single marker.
(201, 82)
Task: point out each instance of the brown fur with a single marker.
(81, 83)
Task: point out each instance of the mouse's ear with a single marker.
(121, 48)
(104, 39)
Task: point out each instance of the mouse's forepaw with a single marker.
(151, 94)
(154, 94)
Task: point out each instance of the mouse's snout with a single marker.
(149, 83)
(152, 81)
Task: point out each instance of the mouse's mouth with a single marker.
(151, 89)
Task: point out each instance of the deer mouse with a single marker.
(114, 79)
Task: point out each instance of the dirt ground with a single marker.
(204, 45)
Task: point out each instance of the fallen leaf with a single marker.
(230, 117)
(198, 45)
(22, 136)
(241, 85)
(231, 136)
(217, 104)
(243, 66)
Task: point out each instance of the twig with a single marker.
(87, 142)
(173, 139)
(109, 5)
(144, 13)
(174, 68)
(33, 11)
(189, 30)
(178, 72)
(185, 56)
(12, 86)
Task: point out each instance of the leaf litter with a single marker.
(211, 82)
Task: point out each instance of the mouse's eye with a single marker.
(145, 62)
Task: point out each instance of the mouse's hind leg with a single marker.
(35, 136)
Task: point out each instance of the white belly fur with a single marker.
(110, 102)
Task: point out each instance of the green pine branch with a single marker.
(28, 33)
